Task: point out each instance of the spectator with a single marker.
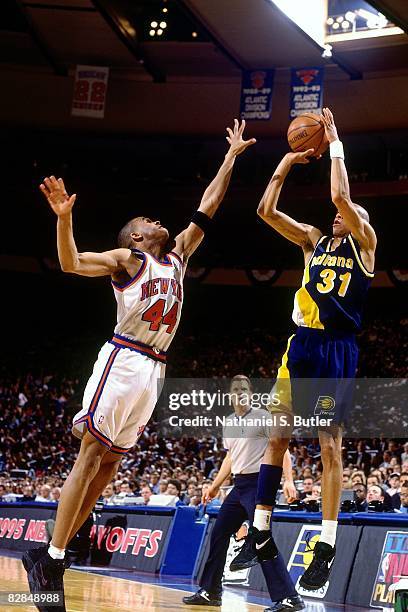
(386, 460)
(360, 497)
(403, 509)
(163, 484)
(28, 494)
(363, 458)
(108, 494)
(174, 488)
(2, 492)
(308, 483)
(393, 484)
(190, 493)
(146, 493)
(377, 493)
(404, 455)
(372, 480)
(154, 482)
(44, 494)
(124, 489)
(403, 478)
(357, 478)
(55, 494)
(314, 495)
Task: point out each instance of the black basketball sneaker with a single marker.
(290, 604)
(203, 598)
(318, 572)
(46, 576)
(258, 546)
(31, 557)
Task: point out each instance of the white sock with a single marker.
(328, 535)
(56, 553)
(262, 519)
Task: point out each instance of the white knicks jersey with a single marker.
(149, 305)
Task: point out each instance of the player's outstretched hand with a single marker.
(301, 157)
(56, 196)
(235, 138)
(329, 125)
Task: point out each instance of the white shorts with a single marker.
(119, 397)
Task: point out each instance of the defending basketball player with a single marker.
(328, 312)
(147, 273)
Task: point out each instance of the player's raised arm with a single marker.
(188, 240)
(85, 264)
(302, 234)
(352, 214)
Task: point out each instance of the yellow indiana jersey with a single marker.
(334, 287)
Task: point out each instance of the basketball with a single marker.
(307, 132)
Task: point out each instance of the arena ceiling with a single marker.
(204, 45)
(202, 38)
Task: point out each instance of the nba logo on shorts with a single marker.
(325, 406)
(101, 419)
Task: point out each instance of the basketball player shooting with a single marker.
(147, 273)
(328, 312)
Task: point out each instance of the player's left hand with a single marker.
(235, 138)
(289, 491)
(329, 125)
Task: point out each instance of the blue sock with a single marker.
(268, 484)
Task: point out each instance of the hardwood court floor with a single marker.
(87, 592)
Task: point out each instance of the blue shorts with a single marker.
(317, 374)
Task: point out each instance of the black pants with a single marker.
(238, 507)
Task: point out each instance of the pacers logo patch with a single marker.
(325, 406)
(301, 558)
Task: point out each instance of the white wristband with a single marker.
(336, 149)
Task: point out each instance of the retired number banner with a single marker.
(256, 95)
(91, 83)
(306, 95)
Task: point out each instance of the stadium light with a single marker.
(163, 24)
(345, 25)
(154, 24)
(327, 50)
(373, 20)
(309, 15)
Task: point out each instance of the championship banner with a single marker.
(91, 83)
(306, 94)
(393, 566)
(256, 95)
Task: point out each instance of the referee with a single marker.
(243, 460)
